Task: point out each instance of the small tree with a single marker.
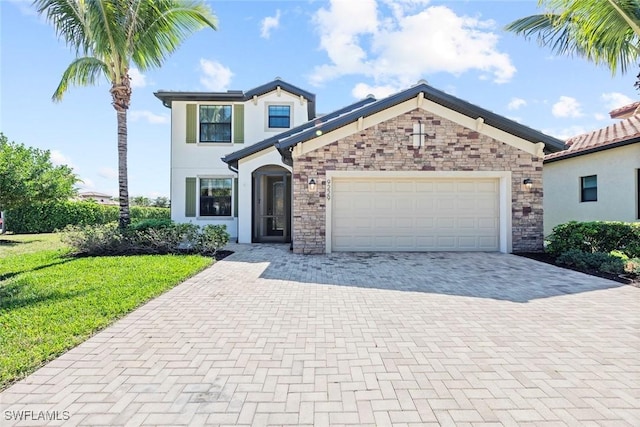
(27, 176)
(161, 202)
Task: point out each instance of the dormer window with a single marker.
(215, 123)
(279, 116)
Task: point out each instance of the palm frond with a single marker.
(81, 72)
(162, 26)
(603, 31)
(68, 18)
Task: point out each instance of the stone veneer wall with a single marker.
(388, 146)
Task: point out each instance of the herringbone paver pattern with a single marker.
(266, 337)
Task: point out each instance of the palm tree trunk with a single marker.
(121, 95)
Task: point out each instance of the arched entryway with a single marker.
(271, 213)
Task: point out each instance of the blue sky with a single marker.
(340, 50)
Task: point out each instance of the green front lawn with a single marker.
(50, 303)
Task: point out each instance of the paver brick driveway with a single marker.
(266, 337)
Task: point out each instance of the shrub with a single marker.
(595, 261)
(145, 237)
(48, 217)
(632, 266)
(212, 238)
(595, 236)
(102, 239)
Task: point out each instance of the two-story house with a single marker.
(205, 127)
(420, 170)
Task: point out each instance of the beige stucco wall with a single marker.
(617, 187)
(388, 146)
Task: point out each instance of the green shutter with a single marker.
(192, 123)
(235, 197)
(190, 198)
(238, 124)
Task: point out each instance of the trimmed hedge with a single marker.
(595, 236)
(146, 237)
(46, 218)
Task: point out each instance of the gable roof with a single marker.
(621, 133)
(448, 101)
(284, 141)
(167, 97)
(232, 158)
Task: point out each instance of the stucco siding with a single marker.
(388, 147)
(178, 178)
(616, 170)
(246, 167)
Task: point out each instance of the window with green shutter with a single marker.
(190, 197)
(235, 197)
(238, 124)
(192, 123)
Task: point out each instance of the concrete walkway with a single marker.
(266, 337)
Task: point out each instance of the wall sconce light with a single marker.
(528, 183)
(312, 185)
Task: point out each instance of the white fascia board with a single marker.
(534, 149)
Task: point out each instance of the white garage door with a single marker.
(402, 214)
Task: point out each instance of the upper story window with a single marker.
(215, 123)
(279, 116)
(589, 188)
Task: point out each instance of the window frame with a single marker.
(585, 195)
(200, 215)
(199, 124)
(267, 116)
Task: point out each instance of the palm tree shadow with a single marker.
(471, 274)
(11, 274)
(12, 296)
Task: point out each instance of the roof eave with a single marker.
(463, 107)
(593, 150)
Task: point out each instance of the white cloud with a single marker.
(57, 159)
(150, 117)
(615, 100)
(516, 103)
(215, 76)
(268, 24)
(137, 78)
(362, 90)
(401, 48)
(567, 107)
(600, 116)
(108, 173)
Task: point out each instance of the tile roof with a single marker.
(625, 111)
(624, 132)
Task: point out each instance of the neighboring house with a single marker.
(101, 198)
(598, 176)
(420, 170)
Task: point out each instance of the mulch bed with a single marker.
(550, 259)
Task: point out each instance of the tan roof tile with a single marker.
(620, 131)
(625, 111)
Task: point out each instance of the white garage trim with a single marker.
(504, 177)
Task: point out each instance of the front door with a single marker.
(272, 206)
